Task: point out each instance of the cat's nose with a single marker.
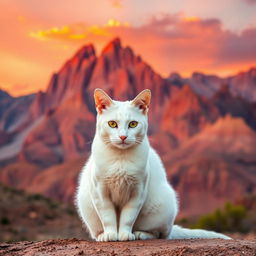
(123, 138)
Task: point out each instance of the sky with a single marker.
(37, 37)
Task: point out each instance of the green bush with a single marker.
(5, 221)
(231, 219)
(35, 197)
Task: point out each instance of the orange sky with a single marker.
(184, 36)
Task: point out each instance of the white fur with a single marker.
(123, 192)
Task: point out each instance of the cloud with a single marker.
(116, 3)
(77, 31)
(250, 1)
(171, 42)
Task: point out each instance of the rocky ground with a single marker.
(74, 247)
(34, 217)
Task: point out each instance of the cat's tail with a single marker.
(185, 233)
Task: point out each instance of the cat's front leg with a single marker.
(106, 212)
(129, 214)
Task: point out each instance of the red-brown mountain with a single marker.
(66, 110)
(241, 85)
(187, 114)
(244, 84)
(13, 113)
(215, 165)
(51, 137)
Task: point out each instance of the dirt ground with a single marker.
(76, 247)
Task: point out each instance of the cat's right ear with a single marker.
(102, 100)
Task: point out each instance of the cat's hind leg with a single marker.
(156, 217)
(142, 235)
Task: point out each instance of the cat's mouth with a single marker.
(122, 144)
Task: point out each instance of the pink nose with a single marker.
(123, 138)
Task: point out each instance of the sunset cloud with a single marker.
(173, 42)
(116, 3)
(77, 31)
(208, 36)
(250, 1)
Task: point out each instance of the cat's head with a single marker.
(122, 124)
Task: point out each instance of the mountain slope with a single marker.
(13, 115)
(187, 113)
(214, 166)
(38, 217)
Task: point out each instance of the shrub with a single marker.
(5, 221)
(231, 219)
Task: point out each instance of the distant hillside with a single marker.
(241, 85)
(34, 217)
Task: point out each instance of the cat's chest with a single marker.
(121, 185)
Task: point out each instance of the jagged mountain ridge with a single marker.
(242, 84)
(67, 106)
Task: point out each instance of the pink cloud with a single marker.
(250, 1)
(172, 42)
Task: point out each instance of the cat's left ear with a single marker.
(142, 101)
(102, 100)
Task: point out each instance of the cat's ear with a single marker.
(102, 100)
(142, 101)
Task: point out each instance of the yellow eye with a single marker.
(133, 124)
(112, 124)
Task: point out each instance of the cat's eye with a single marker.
(133, 124)
(112, 124)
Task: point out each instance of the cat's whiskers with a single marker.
(106, 140)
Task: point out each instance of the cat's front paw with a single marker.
(125, 236)
(107, 236)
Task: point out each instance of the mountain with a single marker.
(199, 126)
(235, 105)
(67, 110)
(13, 111)
(214, 166)
(187, 113)
(206, 85)
(14, 123)
(242, 85)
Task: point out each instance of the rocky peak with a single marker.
(123, 74)
(252, 72)
(205, 85)
(231, 126)
(244, 84)
(113, 47)
(69, 82)
(86, 52)
(198, 76)
(115, 56)
(176, 79)
(4, 95)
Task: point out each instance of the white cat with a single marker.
(123, 193)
